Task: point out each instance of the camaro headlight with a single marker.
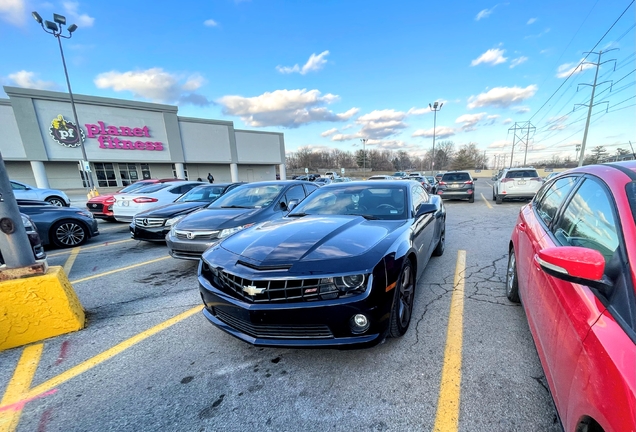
(350, 282)
(229, 231)
(174, 220)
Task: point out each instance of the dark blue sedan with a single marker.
(339, 270)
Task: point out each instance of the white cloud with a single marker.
(418, 111)
(440, 132)
(27, 79)
(567, 69)
(329, 132)
(507, 121)
(518, 61)
(155, 84)
(485, 13)
(315, 63)
(493, 56)
(82, 20)
(470, 121)
(288, 108)
(536, 36)
(500, 144)
(210, 23)
(557, 123)
(531, 21)
(502, 97)
(522, 109)
(12, 11)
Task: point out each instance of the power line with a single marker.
(585, 58)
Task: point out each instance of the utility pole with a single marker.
(524, 139)
(505, 156)
(589, 110)
(578, 149)
(364, 155)
(435, 107)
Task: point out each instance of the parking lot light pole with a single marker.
(435, 107)
(56, 28)
(364, 154)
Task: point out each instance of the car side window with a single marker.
(16, 186)
(309, 189)
(295, 192)
(553, 197)
(588, 221)
(418, 196)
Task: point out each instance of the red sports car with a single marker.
(102, 206)
(571, 263)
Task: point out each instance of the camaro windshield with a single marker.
(381, 202)
(248, 197)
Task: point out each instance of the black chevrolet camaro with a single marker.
(339, 270)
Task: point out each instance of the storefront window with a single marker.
(145, 171)
(128, 173)
(83, 176)
(174, 171)
(105, 174)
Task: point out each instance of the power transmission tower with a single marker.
(589, 110)
(521, 133)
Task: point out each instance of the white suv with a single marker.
(517, 183)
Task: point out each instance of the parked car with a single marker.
(552, 174)
(323, 181)
(438, 176)
(415, 174)
(154, 224)
(341, 180)
(400, 175)
(433, 181)
(308, 177)
(340, 270)
(34, 239)
(332, 175)
(128, 205)
(423, 181)
(238, 209)
(516, 183)
(102, 205)
(457, 185)
(62, 227)
(53, 196)
(571, 263)
(381, 177)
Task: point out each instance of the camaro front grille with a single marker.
(273, 331)
(275, 290)
(149, 222)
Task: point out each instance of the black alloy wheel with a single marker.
(68, 233)
(56, 201)
(512, 284)
(403, 301)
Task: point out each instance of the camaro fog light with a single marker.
(359, 323)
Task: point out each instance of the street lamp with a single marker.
(55, 28)
(435, 107)
(364, 154)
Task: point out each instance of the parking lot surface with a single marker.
(149, 360)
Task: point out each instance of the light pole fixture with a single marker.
(364, 154)
(55, 28)
(435, 107)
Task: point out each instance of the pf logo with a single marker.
(65, 132)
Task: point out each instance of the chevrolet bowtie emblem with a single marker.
(252, 290)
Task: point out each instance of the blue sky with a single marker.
(327, 73)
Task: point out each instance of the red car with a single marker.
(572, 258)
(102, 206)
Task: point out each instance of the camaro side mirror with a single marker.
(575, 264)
(426, 208)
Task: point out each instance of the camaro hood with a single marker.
(219, 218)
(171, 210)
(311, 238)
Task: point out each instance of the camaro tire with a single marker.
(441, 244)
(403, 302)
(68, 233)
(512, 284)
(56, 201)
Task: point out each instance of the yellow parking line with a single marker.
(119, 270)
(109, 353)
(18, 388)
(487, 203)
(68, 265)
(447, 416)
(90, 247)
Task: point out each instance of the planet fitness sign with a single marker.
(65, 133)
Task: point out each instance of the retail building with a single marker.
(125, 141)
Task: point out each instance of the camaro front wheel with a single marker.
(403, 302)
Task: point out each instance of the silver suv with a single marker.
(516, 183)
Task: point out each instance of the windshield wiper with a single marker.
(370, 217)
(234, 206)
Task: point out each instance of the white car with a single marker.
(516, 183)
(381, 177)
(128, 205)
(23, 191)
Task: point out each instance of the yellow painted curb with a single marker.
(38, 307)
